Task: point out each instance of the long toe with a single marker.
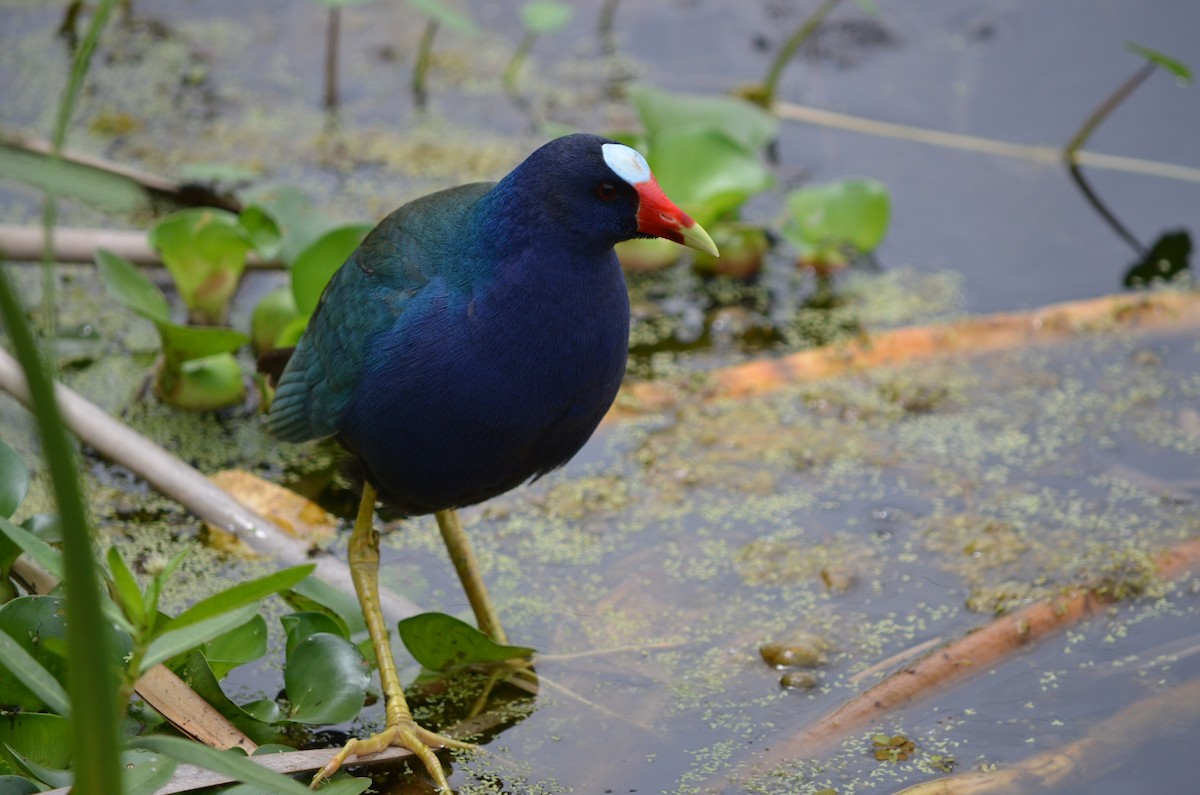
(404, 734)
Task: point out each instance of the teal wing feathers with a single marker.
(366, 296)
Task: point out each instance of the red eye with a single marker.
(606, 191)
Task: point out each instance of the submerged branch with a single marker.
(973, 336)
(975, 652)
(1105, 748)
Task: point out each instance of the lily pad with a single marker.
(326, 680)
(829, 222)
(440, 642)
(299, 626)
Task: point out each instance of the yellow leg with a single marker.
(401, 729)
(468, 573)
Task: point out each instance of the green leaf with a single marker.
(238, 646)
(14, 480)
(299, 626)
(29, 672)
(126, 587)
(205, 251)
(131, 287)
(159, 581)
(265, 710)
(246, 593)
(446, 15)
(743, 121)
(145, 771)
(193, 343)
(292, 331)
(1167, 260)
(707, 173)
(204, 384)
(271, 316)
(180, 343)
(847, 215)
(297, 219)
(100, 188)
(261, 230)
(317, 263)
(42, 553)
(199, 676)
(229, 763)
(42, 739)
(176, 641)
(440, 642)
(314, 594)
(326, 680)
(16, 785)
(1177, 68)
(545, 16)
(54, 776)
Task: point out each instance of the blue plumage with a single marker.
(473, 341)
(476, 337)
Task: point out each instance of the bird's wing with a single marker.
(366, 296)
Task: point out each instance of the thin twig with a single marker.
(975, 652)
(332, 34)
(1168, 713)
(765, 95)
(1045, 155)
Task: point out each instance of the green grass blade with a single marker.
(245, 593)
(33, 675)
(93, 688)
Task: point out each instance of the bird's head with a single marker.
(602, 191)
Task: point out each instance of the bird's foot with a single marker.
(405, 734)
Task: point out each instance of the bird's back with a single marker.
(456, 370)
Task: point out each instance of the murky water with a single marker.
(859, 517)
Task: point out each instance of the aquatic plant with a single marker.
(1170, 254)
(438, 14)
(539, 17)
(833, 224)
(196, 370)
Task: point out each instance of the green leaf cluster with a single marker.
(834, 223)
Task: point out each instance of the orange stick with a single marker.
(974, 652)
(972, 336)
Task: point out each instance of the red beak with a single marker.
(658, 216)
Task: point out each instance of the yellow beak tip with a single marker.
(695, 237)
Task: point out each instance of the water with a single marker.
(879, 513)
